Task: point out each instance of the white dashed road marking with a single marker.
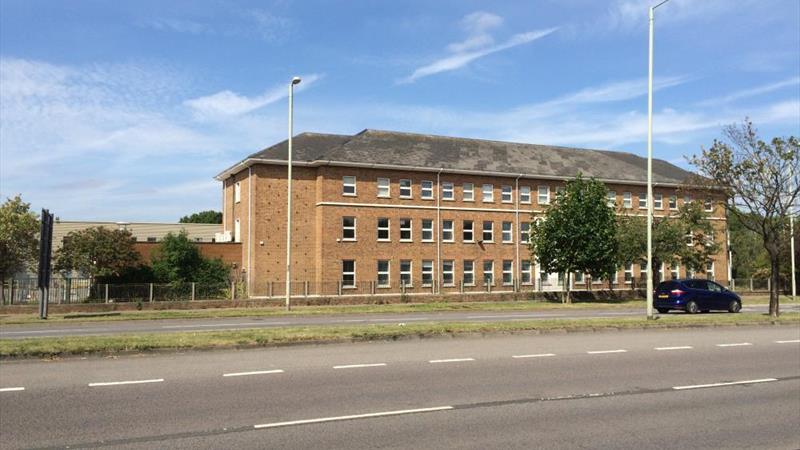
(601, 352)
(791, 341)
(682, 347)
(738, 344)
(730, 383)
(256, 372)
(356, 416)
(12, 389)
(118, 383)
(436, 361)
(358, 366)
(538, 355)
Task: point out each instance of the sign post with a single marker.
(45, 248)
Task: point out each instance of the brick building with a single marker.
(381, 212)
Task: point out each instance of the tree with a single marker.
(761, 181)
(177, 260)
(19, 242)
(203, 217)
(578, 233)
(99, 252)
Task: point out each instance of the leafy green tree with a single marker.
(762, 181)
(19, 242)
(99, 252)
(203, 217)
(578, 233)
(178, 260)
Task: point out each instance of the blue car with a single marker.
(693, 295)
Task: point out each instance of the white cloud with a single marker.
(752, 92)
(633, 14)
(479, 43)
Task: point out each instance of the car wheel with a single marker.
(734, 307)
(691, 307)
(663, 310)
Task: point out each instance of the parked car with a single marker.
(693, 295)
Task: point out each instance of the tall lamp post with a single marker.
(295, 80)
(791, 245)
(650, 168)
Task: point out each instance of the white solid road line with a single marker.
(730, 383)
(243, 324)
(602, 352)
(511, 316)
(791, 341)
(437, 361)
(400, 319)
(355, 416)
(681, 347)
(256, 372)
(51, 331)
(738, 344)
(538, 355)
(358, 366)
(117, 383)
(12, 389)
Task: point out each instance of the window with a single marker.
(349, 186)
(348, 228)
(560, 191)
(626, 200)
(468, 231)
(469, 192)
(687, 199)
(447, 272)
(611, 199)
(405, 272)
(507, 232)
(488, 272)
(152, 239)
(674, 270)
(383, 273)
(673, 202)
(427, 230)
(506, 194)
(447, 231)
(689, 239)
(628, 273)
(237, 192)
(426, 190)
(708, 205)
(661, 272)
(427, 272)
(237, 231)
(469, 273)
(383, 229)
(383, 187)
(488, 231)
(525, 194)
(579, 277)
(526, 272)
(710, 270)
(448, 191)
(643, 200)
(508, 272)
(544, 195)
(658, 201)
(488, 193)
(405, 188)
(405, 230)
(348, 273)
(524, 232)
(643, 270)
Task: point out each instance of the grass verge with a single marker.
(52, 347)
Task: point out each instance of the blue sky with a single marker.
(126, 110)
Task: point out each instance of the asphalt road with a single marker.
(231, 323)
(706, 388)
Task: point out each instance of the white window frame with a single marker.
(507, 270)
(387, 228)
(347, 286)
(506, 194)
(490, 231)
(658, 201)
(387, 272)
(237, 192)
(643, 270)
(448, 191)
(468, 192)
(687, 199)
(579, 278)
(708, 205)
(627, 200)
(524, 232)
(346, 184)
(353, 228)
(543, 198)
(426, 190)
(470, 272)
(407, 273)
(446, 230)
(385, 185)
(471, 230)
(410, 230)
(507, 233)
(628, 273)
(673, 202)
(643, 199)
(409, 188)
(428, 229)
(675, 270)
(525, 195)
(526, 273)
(237, 231)
(427, 268)
(611, 199)
(451, 272)
(710, 271)
(488, 263)
(487, 196)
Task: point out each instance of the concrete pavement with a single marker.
(705, 388)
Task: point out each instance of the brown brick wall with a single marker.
(229, 252)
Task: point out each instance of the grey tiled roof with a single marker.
(463, 154)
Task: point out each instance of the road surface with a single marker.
(736, 387)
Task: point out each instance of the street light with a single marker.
(650, 168)
(295, 80)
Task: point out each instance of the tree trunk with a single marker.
(774, 306)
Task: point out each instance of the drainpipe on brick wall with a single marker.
(249, 223)
(518, 230)
(439, 233)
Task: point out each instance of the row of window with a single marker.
(468, 266)
(506, 193)
(448, 233)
